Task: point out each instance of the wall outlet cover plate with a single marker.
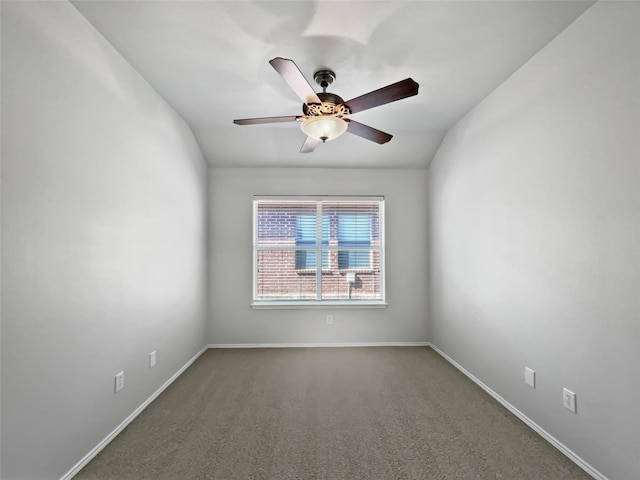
(119, 381)
(530, 377)
(569, 400)
(152, 359)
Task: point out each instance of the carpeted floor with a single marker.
(327, 413)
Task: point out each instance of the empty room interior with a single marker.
(354, 209)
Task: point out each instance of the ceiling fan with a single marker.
(326, 115)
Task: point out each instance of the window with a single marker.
(293, 236)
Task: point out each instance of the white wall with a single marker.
(232, 319)
(103, 239)
(535, 221)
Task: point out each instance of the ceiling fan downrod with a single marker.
(324, 78)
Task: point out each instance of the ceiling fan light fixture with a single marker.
(324, 128)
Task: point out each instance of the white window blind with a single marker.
(318, 250)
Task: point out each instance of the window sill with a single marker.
(311, 304)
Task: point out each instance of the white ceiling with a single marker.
(209, 60)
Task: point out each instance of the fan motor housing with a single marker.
(332, 104)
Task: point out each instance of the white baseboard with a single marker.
(98, 448)
(318, 345)
(542, 432)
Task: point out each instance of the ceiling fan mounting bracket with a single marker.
(324, 78)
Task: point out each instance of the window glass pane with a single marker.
(351, 286)
(306, 237)
(306, 259)
(354, 230)
(325, 260)
(306, 229)
(354, 259)
(278, 279)
(306, 233)
(277, 222)
(326, 231)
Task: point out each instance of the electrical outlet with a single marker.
(569, 400)
(530, 377)
(119, 381)
(152, 359)
(329, 319)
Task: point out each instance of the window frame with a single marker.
(319, 248)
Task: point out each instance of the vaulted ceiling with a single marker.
(209, 61)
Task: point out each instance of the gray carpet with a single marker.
(327, 413)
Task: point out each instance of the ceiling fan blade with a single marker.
(256, 121)
(309, 145)
(390, 93)
(291, 74)
(368, 132)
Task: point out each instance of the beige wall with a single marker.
(103, 239)
(535, 234)
(232, 319)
